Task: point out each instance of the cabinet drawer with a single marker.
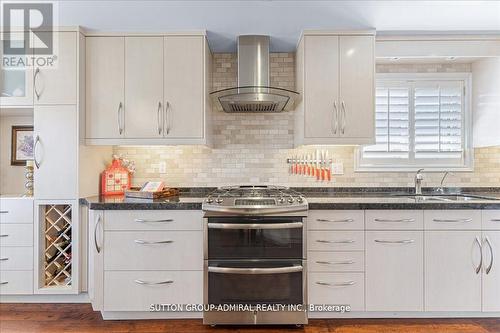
(16, 210)
(452, 219)
(153, 250)
(491, 219)
(153, 220)
(13, 258)
(16, 235)
(336, 220)
(137, 290)
(16, 282)
(335, 240)
(394, 219)
(337, 288)
(336, 261)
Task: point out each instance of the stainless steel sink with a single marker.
(450, 197)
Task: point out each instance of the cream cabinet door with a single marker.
(105, 86)
(57, 83)
(491, 271)
(357, 87)
(321, 100)
(143, 87)
(184, 84)
(55, 152)
(452, 271)
(394, 271)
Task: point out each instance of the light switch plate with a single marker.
(337, 168)
(162, 167)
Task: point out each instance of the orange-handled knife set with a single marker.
(317, 165)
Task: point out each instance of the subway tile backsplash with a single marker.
(252, 149)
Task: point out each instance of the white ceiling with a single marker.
(282, 20)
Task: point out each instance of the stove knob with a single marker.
(290, 200)
(300, 200)
(281, 200)
(219, 200)
(210, 200)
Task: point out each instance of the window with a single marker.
(422, 121)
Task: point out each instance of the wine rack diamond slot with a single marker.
(58, 227)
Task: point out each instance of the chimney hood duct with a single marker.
(254, 93)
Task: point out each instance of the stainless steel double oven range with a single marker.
(255, 256)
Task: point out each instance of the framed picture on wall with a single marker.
(21, 145)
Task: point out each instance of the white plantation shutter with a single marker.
(438, 119)
(392, 122)
(419, 123)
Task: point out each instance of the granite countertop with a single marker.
(318, 198)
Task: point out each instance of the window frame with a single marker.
(467, 161)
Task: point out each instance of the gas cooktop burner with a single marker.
(255, 200)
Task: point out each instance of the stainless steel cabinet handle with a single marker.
(452, 220)
(120, 125)
(343, 262)
(149, 283)
(395, 221)
(4, 211)
(35, 145)
(143, 242)
(159, 120)
(253, 226)
(347, 241)
(4, 282)
(490, 247)
(37, 72)
(341, 284)
(278, 270)
(344, 115)
(153, 221)
(335, 122)
(4, 259)
(495, 220)
(335, 221)
(167, 116)
(478, 268)
(4, 235)
(403, 241)
(97, 247)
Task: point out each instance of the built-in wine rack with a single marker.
(58, 245)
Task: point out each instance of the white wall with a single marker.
(11, 176)
(486, 102)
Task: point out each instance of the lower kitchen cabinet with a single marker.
(491, 271)
(394, 271)
(137, 290)
(453, 270)
(337, 289)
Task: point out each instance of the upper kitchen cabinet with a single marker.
(143, 87)
(56, 84)
(105, 87)
(52, 80)
(147, 89)
(184, 88)
(336, 77)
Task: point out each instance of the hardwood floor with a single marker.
(27, 318)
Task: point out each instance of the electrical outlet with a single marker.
(337, 168)
(162, 167)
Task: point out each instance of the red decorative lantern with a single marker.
(115, 179)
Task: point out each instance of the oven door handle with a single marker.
(290, 225)
(277, 270)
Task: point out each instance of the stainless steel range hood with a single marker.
(254, 93)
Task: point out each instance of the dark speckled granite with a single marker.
(318, 198)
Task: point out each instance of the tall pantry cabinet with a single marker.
(64, 169)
